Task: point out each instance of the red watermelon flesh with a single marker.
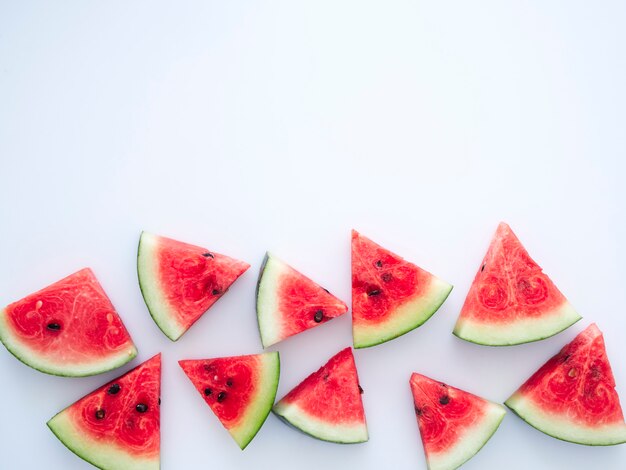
(68, 328)
(454, 424)
(512, 300)
(180, 282)
(572, 396)
(327, 404)
(118, 425)
(390, 296)
(240, 390)
(289, 303)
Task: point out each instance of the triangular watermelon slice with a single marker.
(240, 390)
(118, 425)
(511, 300)
(572, 396)
(288, 302)
(179, 282)
(327, 404)
(453, 424)
(69, 328)
(390, 296)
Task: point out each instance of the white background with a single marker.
(247, 126)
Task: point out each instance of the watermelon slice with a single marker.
(390, 296)
(453, 424)
(116, 426)
(240, 390)
(327, 404)
(69, 328)
(572, 396)
(288, 302)
(179, 282)
(511, 300)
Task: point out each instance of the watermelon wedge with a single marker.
(69, 328)
(116, 426)
(390, 296)
(511, 300)
(454, 425)
(572, 396)
(179, 282)
(327, 404)
(288, 302)
(240, 390)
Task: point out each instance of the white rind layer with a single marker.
(39, 361)
(106, 456)
(561, 427)
(267, 300)
(405, 318)
(149, 280)
(523, 330)
(470, 443)
(340, 433)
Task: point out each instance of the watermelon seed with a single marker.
(386, 277)
(113, 389)
(379, 263)
(325, 377)
(482, 268)
(373, 292)
(100, 414)
(208, 255)
(159, 400)
(215, 292)
(565, 358)
(319, 316)
(229, 383)
(54, 326)
(572, 372)
(360, 389)
(221, 397)
(141, 408)
(444, 400)
(418, 411)
(208, 391)
(327, 291)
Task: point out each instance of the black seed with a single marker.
(229, 383)
(443, 385)
(113, 389)
(141, 408)
(374, 292)
(319, 316)
(360, 389)
(482, 268)
(54, 326)
(386, 277)
(208, 255)
(208, 391)
(221, 397)
(418, 411)
(565, 358)
(325, 377)
(379, 263)
(327, 291)
(100, 414)
(216, 292)
(159, 400)
(444, 400)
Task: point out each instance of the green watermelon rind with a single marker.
(525, 330)
(104, 456)
(563, 429)
(147, 272)
(297, 418)
(260, 407)
(265, 289)
(405, 318)
(40, 363)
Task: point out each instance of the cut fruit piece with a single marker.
(572, 396)
(327, 404)
(288, 302)
(454, 425)
(390, 296)
(69, 328)
(240, 390)
(511, 300)
(118, 425)
(179, 282)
